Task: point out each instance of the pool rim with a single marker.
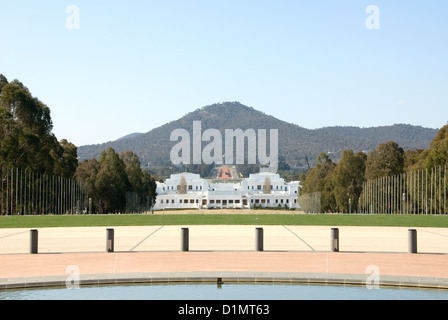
(225, 277)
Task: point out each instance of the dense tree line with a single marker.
(435, 155)
(340, 184)
(110, 179)
(26, 138)
(27, 142)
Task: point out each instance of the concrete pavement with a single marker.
(292, 253)
(225, 238)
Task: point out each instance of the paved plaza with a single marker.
(290, 252)
(224, 238)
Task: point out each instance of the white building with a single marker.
(189, 190)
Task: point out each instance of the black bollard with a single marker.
(109, 240)
(334, 243)
(412, 241)
(184, 239)
(259, 239)
(33, 240)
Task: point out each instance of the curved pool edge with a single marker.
(222, 278)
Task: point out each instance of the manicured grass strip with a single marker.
(223, 219)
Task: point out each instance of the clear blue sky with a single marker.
(135, 65)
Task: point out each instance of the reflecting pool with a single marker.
(223, 292)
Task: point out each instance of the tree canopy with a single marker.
(386, 160)
(27, 142)
(110, 179)
(318, 179)
(348, 178)
(26, 138)
(437, 154)
(342, 182)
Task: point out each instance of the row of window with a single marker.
(190, 187)
(180, 201)
(230, 201)
(260, 187)
(269, 201)
(211, 201)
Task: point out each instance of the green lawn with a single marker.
(223, 219)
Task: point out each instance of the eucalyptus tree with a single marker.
(348, 178)
(112, 182)
(318, 179)
(386, 160)
(26, 137)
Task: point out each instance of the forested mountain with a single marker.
(296, 144)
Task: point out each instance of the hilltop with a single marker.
(296, 144)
